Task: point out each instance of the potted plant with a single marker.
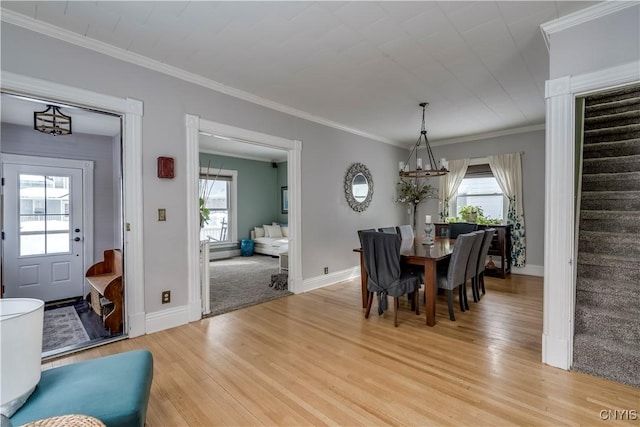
(413, 193)
(471, 213)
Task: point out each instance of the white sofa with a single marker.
(270, 239)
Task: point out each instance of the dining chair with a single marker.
(405, 232)
(482, 259)
(455, 275)
(457, 228)
(386, 277)
(388, 230)
(472, 267)
(362, 231)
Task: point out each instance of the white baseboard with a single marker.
(556, 352)
(224, 254)
(330, 279)
(137, 324)
(529, 270)
(166, 319)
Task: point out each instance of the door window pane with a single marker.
(44, 214)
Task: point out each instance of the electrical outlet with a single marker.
(162, 214)
(326, 270)
(166, 297)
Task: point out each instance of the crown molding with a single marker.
(580, 17)
(487, 135)
(49, 30)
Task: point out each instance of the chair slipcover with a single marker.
(382, 262)
(389, 230)
(457, 228)
(455, 275)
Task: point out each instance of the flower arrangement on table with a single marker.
(413, 193)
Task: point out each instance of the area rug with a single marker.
(62, 328)
(241, 282)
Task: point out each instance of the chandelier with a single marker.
(51, 121)
(431, 168)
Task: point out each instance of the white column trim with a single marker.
(132, 111)
(559, 254)
(193, 219)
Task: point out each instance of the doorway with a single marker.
(52, 234)
(293, 148)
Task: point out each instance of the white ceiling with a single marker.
(362, 65)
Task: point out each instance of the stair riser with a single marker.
(631, 226)
(619, 183)
(610, 247)
(600, 360)
(611, 136)
(622, 148)
(612, 121)
(611, 165)
(611, 204)
(611, 274)
(607, 110)
(623, 94)
(622, 307)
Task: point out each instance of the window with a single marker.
(218, 190)
(480, 188)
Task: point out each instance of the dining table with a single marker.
(416, 252)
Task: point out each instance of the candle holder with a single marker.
(428, 240)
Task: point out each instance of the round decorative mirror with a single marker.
(358, 187)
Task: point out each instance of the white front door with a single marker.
(43, 231)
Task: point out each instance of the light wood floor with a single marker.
(312, 359)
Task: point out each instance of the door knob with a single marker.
(77, 239)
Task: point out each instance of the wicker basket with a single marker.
(74, 420)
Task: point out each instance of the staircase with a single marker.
(607, 317)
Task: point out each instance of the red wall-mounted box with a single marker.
(165, 167)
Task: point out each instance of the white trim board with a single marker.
(132, 111)
(194, 125)
(166, 319)
(559, 230)
(49, 30)
(529, 270)
(581, 16)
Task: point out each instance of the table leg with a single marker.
(431, 290)
(363, 281)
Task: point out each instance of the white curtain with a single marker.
(449, 184)
(507, 168)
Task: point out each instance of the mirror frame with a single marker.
(355, 169)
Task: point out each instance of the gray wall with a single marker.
(25, 141)
(595, 45)
(328, 224)
(532, 144)
(258, 191)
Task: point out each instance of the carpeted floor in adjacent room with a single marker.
(241, 282)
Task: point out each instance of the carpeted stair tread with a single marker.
(611, 164)
(626, 147)
(605, 286)
(611, 200)
(623, 181)
(614, 95)
(606, 260)
(611, 274)
(620, 221)
(604, 242)
(611, 320)
(617, 119)
(606, 358)
(612, 107)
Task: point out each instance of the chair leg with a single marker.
(395, 311)
(462, 297)
(474, 289)
(416, 293)
(369, 302)
(450, 304)
(482, 278)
